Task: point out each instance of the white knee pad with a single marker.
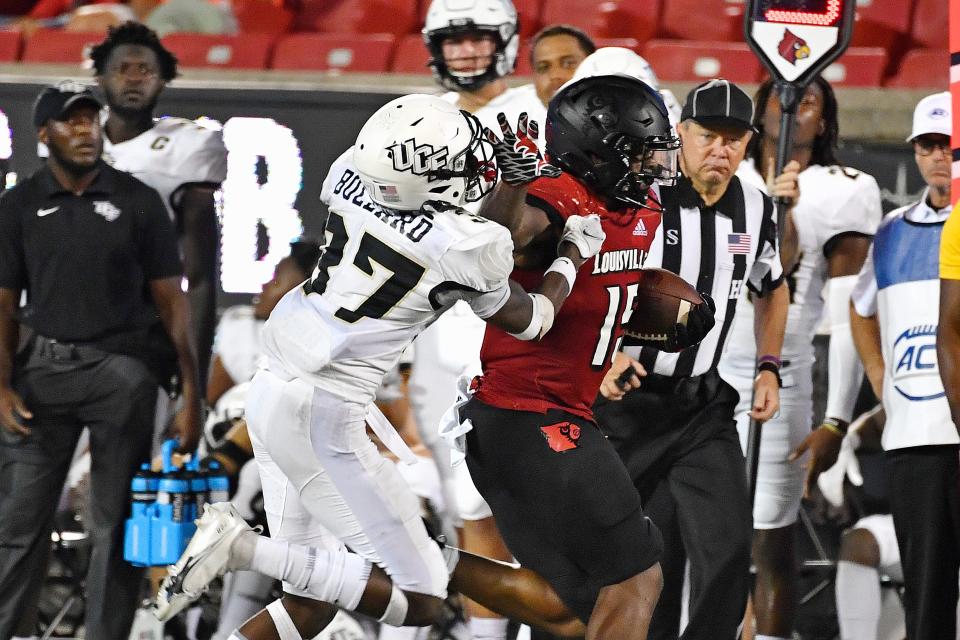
(396, 611)
(470, 503)
(282, 621)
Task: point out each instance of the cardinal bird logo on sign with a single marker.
(792, 47)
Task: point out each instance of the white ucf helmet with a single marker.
(447, 18)
(420, 148)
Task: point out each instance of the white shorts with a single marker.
(779, 482)
(326, 485)
(881, 526)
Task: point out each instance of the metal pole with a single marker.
(789, 95)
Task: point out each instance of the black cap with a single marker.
(719, 102)
(54, 101)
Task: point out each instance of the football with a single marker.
(663, 300)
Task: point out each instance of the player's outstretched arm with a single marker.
(519, 162)
(528, 316)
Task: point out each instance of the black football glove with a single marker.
(699, 322)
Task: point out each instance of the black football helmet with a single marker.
(613, 133)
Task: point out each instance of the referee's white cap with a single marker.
(932, 115)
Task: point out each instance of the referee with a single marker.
(675, 431)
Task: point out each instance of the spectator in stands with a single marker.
(163, 16)
(556, 53)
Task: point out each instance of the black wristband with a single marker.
(837, 426)
(766, 365)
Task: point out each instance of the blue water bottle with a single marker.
(217, 482)
(198, 488)
(143, 495)
(171, 526)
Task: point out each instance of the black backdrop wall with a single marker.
(323, 124)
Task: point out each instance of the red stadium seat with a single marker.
(528, 14)
(9, 46)
(262, 16)
(922, 68)
(609, 18)
(930, 23)
(55, 45)
(881, 23)
(681, 61)
(249, 51)
(697, 19)
(334, 52)
(360, 16)
(411, 55)
(858, 67)
(523, 67)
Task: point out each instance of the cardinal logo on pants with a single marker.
(562, 436)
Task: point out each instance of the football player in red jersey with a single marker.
(534, 450)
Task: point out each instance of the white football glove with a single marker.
(846, 466)
(586, 233)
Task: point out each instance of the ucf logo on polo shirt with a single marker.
(107, 209)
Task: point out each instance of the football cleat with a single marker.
(206, 557)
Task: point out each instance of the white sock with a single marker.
(760, 636)
(337, 577)
(858, 601)
(488, 628)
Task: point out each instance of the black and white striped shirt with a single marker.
(718, 249)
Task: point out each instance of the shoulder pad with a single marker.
(481, 260)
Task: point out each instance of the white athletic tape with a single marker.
(282, 621)
(396, 611)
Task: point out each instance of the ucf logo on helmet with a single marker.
(416, 158)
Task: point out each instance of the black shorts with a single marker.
(562, 499)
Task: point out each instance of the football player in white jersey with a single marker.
(836, 215)
(182, 160)
(399, 252)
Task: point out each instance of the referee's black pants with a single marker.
(67, 389)
(678, 440)
(925, 503)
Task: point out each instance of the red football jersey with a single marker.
(564, 370)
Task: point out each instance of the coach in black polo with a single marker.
(97, 255)
(674, 428)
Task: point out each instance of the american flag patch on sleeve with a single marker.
(738, 242)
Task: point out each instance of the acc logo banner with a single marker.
(916, 375)
(417, 158)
